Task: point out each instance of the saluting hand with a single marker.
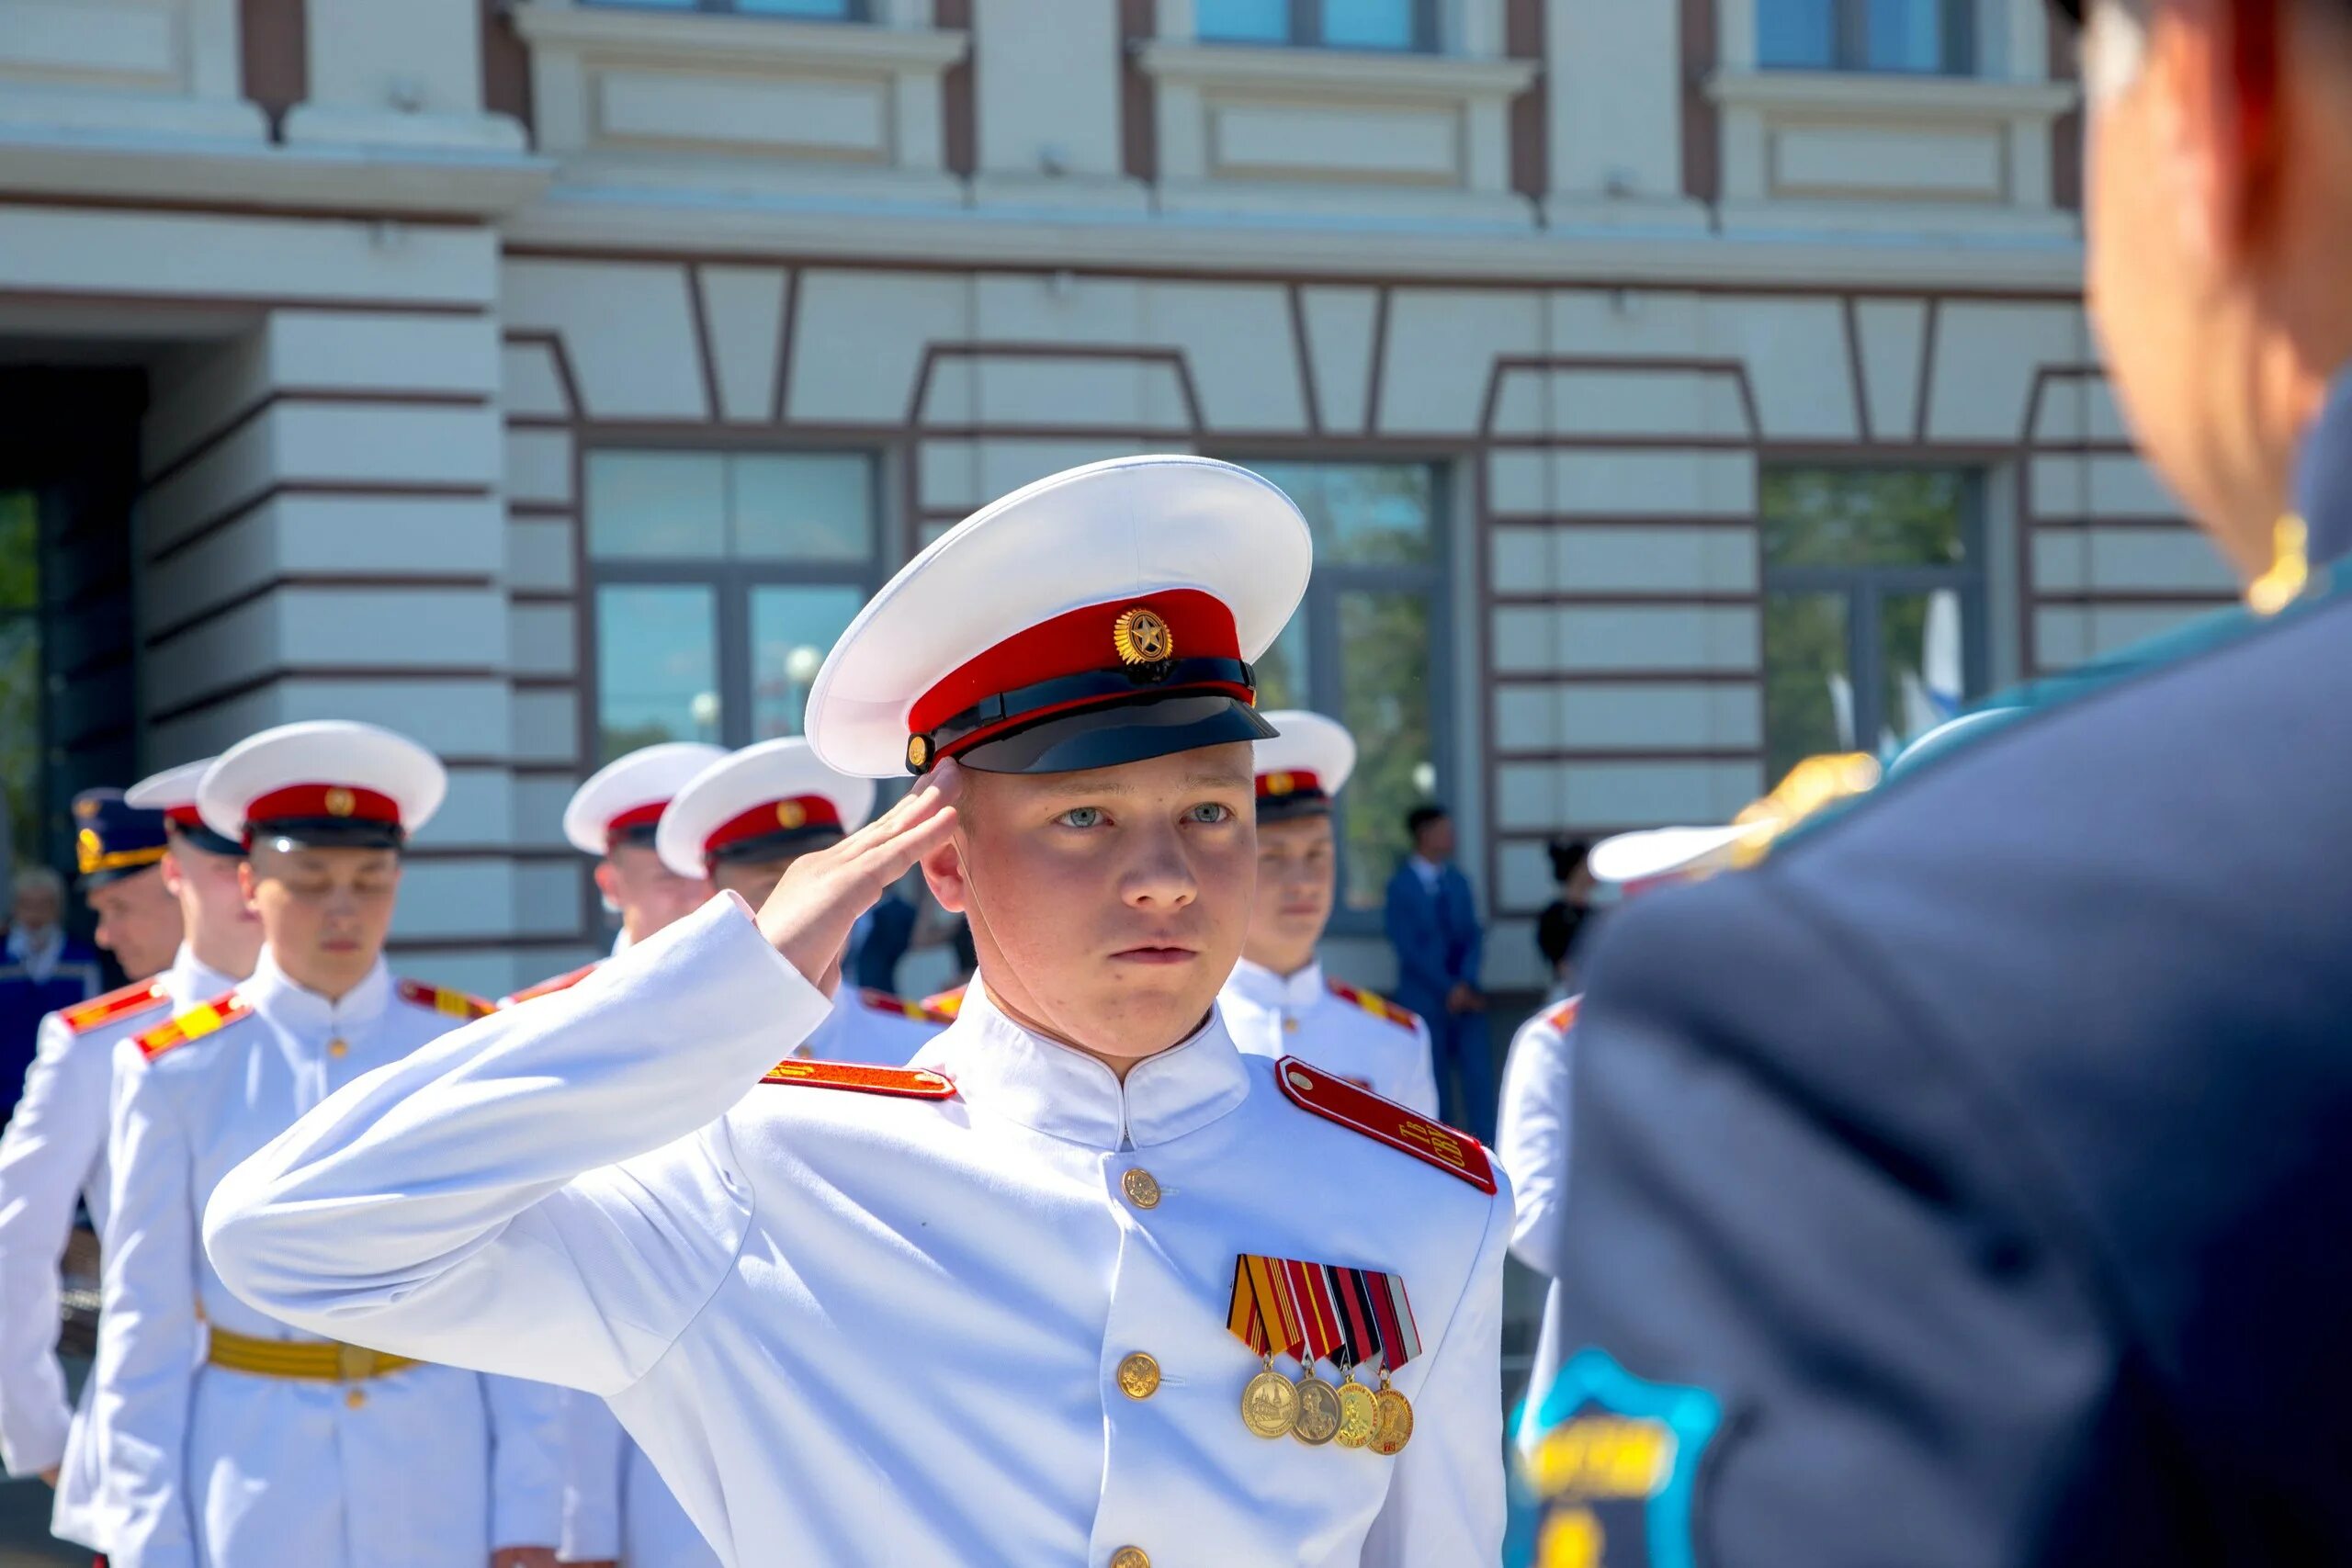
(807, 917)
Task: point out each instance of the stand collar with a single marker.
(1009, 1071)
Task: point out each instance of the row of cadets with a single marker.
(164, 888)
(232, 1439)
(988, 1307)
(1278, 1002)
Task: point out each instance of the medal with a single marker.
(1379, 1300)
(1359, 1415)
(1395, 1427)
(1263, 1317)
(1358, 1410)
(1318, 1411)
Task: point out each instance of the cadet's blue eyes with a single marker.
(1206, 814)
(1211, 812)
(1081, 817)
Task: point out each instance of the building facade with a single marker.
(1675, 387)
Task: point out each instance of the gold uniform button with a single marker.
(1131, 1557)
(1139, 1375)
(1290, 1026)
(337, 1049)
(354, 1398)
(1141, 1188)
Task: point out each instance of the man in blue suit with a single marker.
(1967, 1183)
(1434, 929)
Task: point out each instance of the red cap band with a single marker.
(316, 800)
(1199, 626)
(185, 816)
(773, 817)
(635, 816)
(1295, 781)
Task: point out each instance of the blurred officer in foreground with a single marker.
(1067, 1288)
(1278, 1003)
(165, 890)
(231, 1439)
(1933, 1201)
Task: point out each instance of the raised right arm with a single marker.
(483, 1203)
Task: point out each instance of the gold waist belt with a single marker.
(325, 1361)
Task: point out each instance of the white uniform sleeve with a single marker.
(1446, 1502)
(526, 1460)
(593, 1449)
(1532, 1143)
(148, 1332)
(1417, 1089)
(54, 1139)
(547, 1192)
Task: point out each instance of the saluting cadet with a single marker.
(1965, 1180)
(615, 1506)
(1084, 1283)
(231, 1438)
(744, 820)
(1278, 1002)
(169, 912)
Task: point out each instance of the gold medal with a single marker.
(1394, 1426)
(1318, 1411)
(1270, 1403)
(1359, 1415)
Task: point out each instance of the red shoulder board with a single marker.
(193, 1024)
(909, 1083)
(1334, 1099)
(549, 987)
(920, 1012)
(947, 1003)
(1565, 1014)
(441, 999)
(1379, 1007)
(137, 997)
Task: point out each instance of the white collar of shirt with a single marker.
(40, 962)
(1050, 1088)
(620, 943)
(190, 980)
(1283, 992)
(1428, 871)
(305, 1013)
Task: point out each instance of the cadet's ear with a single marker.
(246, 881)
(942, 870)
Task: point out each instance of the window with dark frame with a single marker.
(721, 579)
(1918, 36)
(1874, 605)
(1408, 26)
(1369, 646)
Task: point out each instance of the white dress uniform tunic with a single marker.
(981, 1310)
(1531, 1140)
(1366, 1038)
(876, 1327)
(234, 1440)
(52, 1156)
(413, 1469)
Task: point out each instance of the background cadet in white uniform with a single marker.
(169, 912)
(1007, 1305)
(606, 1479)
(1531, 1134)
(1278, 1002)
(745, 819)
(232, 1440)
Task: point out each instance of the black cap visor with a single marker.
(204, 838)
(1135, 729)
(328, 833)
(1297, 804)
(776, 845)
